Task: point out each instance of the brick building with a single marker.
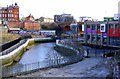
(30, 17)
(30, 24)
(15, 24)
(9, 16)
(9, 13)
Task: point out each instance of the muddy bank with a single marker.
(89, 67)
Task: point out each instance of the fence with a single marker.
(52, 62)
(89, 51)
(5, 52)
(93, 52)
(8, 47)
(28, 68)
(70, 45)
(9, 44)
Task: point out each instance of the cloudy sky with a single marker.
(92, 8)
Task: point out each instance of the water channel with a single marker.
(44, 51)
(39, 52)
(43, 55)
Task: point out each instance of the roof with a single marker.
(14, 28)
(30, 16)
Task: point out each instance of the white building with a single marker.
(48, 20)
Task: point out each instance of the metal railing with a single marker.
(7, 51)
(28, 68)
(56, 61)
(92, 52)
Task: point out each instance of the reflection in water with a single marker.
(39, 52)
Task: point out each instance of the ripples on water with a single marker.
(45, 51)
(39, 52)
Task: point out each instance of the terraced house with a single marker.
(9, 13)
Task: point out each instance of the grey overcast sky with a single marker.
(48, 8)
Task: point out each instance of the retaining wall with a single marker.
(10, 57)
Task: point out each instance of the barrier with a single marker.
(29, 68)
(11, 53)
(52, 62)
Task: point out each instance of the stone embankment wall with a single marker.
(19, 49)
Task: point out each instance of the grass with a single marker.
(6, 37)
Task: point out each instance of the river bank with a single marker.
(89, 67)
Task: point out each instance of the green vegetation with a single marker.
(65, 51)
(15, 58)
(6, 37)
(45, 27)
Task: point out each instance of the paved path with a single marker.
(89, 67)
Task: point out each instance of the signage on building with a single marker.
(108, 18)
(102, 27)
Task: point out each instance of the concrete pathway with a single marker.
(88, 67)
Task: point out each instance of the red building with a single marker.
(9, 13)
(102, 33)
(30, 17)
(30, 24)
(15, 24)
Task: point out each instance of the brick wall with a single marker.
(15, 24)
(31, 25)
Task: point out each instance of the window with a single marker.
(8, 15)
(116, 25)
(110, 25)
(15, 16)
(5, 15)
(88, 26)
(10, 10)
(93, 27)
(11, 15)
(98, 26)
(104, 40)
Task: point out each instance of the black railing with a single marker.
(28, 68)
(9, 44)
(7, 51)
(56, 61)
